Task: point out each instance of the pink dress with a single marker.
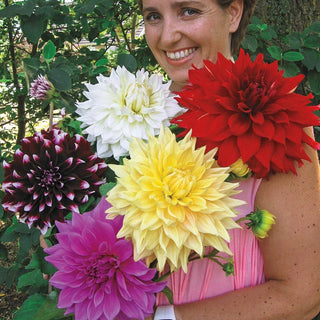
(206, 279)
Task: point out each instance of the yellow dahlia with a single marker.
(174, 199)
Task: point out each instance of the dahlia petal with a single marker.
(248, 144)
(131, 310)
(70, 195)
(99, 296)
(280, 135)
(80, 295)
(203, 123)
(77, 246)
(122, 286)
(59, 279)
(291, 83)
(93, 312)
(111, 305)
(137, 269)
(65, 298)
(265, 153)
(123, 249)
(238, 124)
(266, 129)
(257, 118)
(295, 133)
(228, 152)
(81, 311)
(307, 139)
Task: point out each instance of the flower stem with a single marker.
(51, 115)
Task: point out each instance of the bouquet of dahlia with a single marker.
(169, 196)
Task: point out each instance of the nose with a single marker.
(171, 32)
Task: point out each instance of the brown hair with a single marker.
(248, 8)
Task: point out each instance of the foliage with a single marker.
(71, 43)
(297, 53)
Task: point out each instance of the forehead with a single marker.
(174, 3)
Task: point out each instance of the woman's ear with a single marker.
(235, 11)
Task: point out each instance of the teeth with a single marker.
(180, 54)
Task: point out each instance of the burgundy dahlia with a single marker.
(51, 175)
(96, 273)
(41, 88)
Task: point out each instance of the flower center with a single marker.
(251, 97)
(100, 268)
(49, 177)
(177, 185)
(136, 97)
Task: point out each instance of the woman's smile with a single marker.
(180, 54)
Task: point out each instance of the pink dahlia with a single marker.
(249, 111)
(41, 88)
(51, 175)
(96, 273)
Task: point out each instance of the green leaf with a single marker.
(1, 211)
(49, 310)
(25, 242)
(256, 20)
(104, 189)
(266, 35)
(3, 275)
(27, 8)
(294, 40)
(33, 27)
(10, 11)
(60, 79)
(100, 70)
(9, 237)
(102, 62)
(275, 52)
(3, 251)
(250, 43)
(314, 81)
(49, 51)
(30, 307)
(33, 278)
(31, 68)
(22, 228)
(312, 41)
(293, 56)
(311, 58)
(38, 262)
(315, 27)
(290, 69)
(128, 61)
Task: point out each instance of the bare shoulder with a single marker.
(292, 250)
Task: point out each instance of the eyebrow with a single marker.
(186, 3)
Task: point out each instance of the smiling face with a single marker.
(182, 33)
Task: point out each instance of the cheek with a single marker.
(151, 34)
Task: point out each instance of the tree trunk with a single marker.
(287, 16)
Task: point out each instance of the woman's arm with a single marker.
(291, 256)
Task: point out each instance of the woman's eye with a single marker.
(190, 11)
(152, 16)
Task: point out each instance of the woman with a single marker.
(182, 33)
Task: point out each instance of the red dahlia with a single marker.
(249, 111)
(51, 175)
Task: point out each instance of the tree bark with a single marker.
(287, 16)
(21, 97)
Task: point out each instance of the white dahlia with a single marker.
(123, 106)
